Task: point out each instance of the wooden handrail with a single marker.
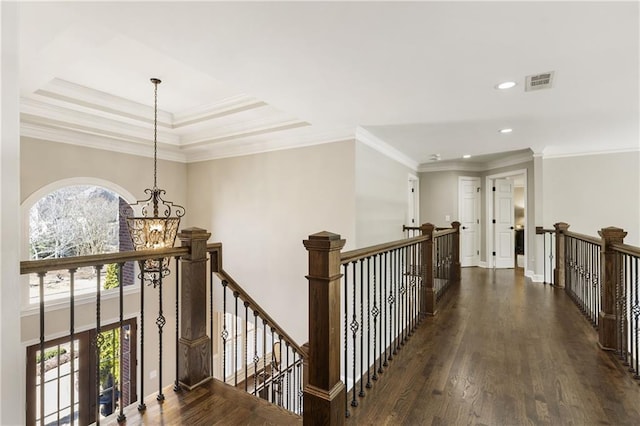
(626, 249)
(363, 253)
(439, 232)
(234, 286)
(45, 265)
(540, 230)
(583, 237)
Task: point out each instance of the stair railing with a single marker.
(364, 306)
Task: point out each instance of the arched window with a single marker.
(78, 220)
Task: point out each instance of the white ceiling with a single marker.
(418, 77)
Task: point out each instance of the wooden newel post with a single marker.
(428, 302)
(559, 272)
(455, 264)
(324, 395)
(610, 271)
(194, 356)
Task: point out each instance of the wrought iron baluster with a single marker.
(121, 417)
(72, 334)
(264, 357)
(636, 313)
(354, 330)
(346, 338)
(375, 312)
(235, 342)
(394, 307)
(256, 358)
(160, 322)
(369, 323)
(98, 342)
(42, 345)
(245, 339)
(176, 384)
(142, 406)
(273, 371)
(225, 332)
(385, 307)
(361, 393)
(288, 378)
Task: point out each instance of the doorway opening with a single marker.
(506, 208)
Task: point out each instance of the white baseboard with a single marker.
(536, 278)
(482, 264)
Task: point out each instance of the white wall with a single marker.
(381, 197)
(439, 196)
(12, 367)
(261, 207)
(591, 192)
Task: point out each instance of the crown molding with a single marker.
(568, 153)
(444, 166)
(90, 140)
(230, 149)
(384, 148)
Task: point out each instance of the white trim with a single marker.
(475, 167)
(482, 264)
(89, 140)
(586, 153)
(381, 146)
(489, 213)
(536, 278)
(415, 199)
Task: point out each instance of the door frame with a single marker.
(489, 199)
(413, 198)
(477, 213)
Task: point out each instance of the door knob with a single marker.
(464, 227)
(512, 227)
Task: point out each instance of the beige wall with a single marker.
(261, 207)
(591, 192)
(439, 196)
(43, 163)
(382, 197)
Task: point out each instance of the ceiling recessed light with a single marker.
(506, 130)
(506, 85)
(466, 156)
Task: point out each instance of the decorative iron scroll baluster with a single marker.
(273, 370)
(621, 320)
(385, 307)
(141, 404)
(42, 346)
(160, 322)
(235, 342)
(354, 330)
(176, 384)
(121, 417)
(98, 340)
(346, 338)
(245, 339)
(72, 333)
(375, 312)
(256, 358)
(392, 306)
(361, 393)
(369, 323)
(403, 292)
(225, 332)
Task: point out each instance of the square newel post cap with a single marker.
(324, 241)
(561, 226)
(190, 234)
(612, 235)
(427, 228)
(455, 225)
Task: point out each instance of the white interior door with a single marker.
(504, 238)
(469, 218)
(414, 203)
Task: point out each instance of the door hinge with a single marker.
(494, 221)
(412, 190)
(494, 253)
(494, 189)
(478, 252)
(478, 189)
(413, 221)
(478, 221)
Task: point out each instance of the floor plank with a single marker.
(502, 351)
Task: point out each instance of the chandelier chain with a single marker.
(155, 135)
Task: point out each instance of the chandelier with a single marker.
(157, 225)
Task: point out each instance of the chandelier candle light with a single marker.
(157, 231)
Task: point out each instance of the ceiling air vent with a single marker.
(539, 81)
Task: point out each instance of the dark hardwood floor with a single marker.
(503, 351)
(213, 403)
